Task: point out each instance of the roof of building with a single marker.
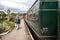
(2, 12)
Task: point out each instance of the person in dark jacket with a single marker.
(17, 21)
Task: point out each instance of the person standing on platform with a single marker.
(17, 22)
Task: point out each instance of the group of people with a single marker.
(17, 22)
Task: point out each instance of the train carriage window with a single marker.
(33, 15)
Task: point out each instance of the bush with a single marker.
(6, 26)
(11, 24)
(1, 28)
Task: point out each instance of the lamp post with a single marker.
(8, 11)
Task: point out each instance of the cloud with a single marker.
(19, 5)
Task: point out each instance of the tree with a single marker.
(12, 16)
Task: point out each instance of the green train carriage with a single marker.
(42, 18)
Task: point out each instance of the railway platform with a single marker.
(21, 34)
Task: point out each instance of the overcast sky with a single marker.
(16, 5)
